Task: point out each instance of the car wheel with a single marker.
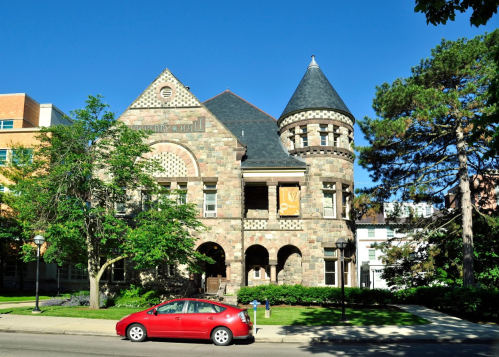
(221, 336)
(136, 333)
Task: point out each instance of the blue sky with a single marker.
(61, 51)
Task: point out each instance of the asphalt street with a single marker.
(50, 345)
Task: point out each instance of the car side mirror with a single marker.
(155, 311)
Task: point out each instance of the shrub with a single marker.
(81, 298)
(136, 296)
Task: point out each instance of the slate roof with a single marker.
(256, 129)
(315, 92)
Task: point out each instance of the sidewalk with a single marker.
(443, 328)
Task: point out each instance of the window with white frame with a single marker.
(6, 124)
(182, 194)
(329, 200)
(345, 204)
(346, 272)
(330, 272)
(389, 232)
(370, 232)
(118, 271)
(407, 211)
(372, 254)
(210, 200)
(428, 210)
(419, 211)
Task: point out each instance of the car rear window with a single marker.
(219, 308)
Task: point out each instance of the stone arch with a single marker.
(300, 244)
(257, 265)
(216, 252)
(176, 159)
(221, 241)
(289, 265)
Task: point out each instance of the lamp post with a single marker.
(39, 240)
(412, 256)
(341, 245)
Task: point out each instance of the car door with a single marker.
(199, 319)
(167, 322)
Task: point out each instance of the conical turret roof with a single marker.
(315, 92)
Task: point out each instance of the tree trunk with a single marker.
(94, 291)
(464, 185)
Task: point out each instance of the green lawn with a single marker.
(308, 316)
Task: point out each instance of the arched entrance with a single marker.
(214, 273)
(257, 265)
(289, 265)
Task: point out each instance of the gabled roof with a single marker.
(315, 92)
(256, 129)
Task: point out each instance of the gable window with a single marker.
(372, 254)
(329, 200)
(6, 124)
(370, 232)
(210, 200)
(330, 272)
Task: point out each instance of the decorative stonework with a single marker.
(173, 165)
(255, 224)
(316, 114)
(180, 97)
(171, 90)
(290, 224)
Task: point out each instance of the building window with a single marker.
(118, 271)
(346, 272)
(329, 200)
(210, 200)
(256, 272)
(419, 211)
(6, 124)
(330, 252)
(14, 268)
(166, 270)
(165, 192)
(336, 140)
(389, 233)
(497, 195)
(330, 272)
(267, 272)
(428, 210)
(303, 129)
(77, 273)
(182, 195)
(22, 156)
(304, 140)
(370, 232)
(121, 206)
(324, 139)
(372, 254)
(407, 211)
(345, 204)
(3, 156)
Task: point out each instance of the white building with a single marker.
(375, 231)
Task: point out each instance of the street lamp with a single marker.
(412, 256)
(39, 240)
(341, 244)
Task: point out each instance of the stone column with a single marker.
(272, 222)
(273, 272)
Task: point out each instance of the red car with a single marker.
(188, 318)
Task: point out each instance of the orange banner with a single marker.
(289, 201)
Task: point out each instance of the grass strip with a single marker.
(304, 316)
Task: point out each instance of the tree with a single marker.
(83, 172)
(419, 144)
(439, 11)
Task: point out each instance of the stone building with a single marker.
(275, 193)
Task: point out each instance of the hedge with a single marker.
(302, 295)
(461, 301)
